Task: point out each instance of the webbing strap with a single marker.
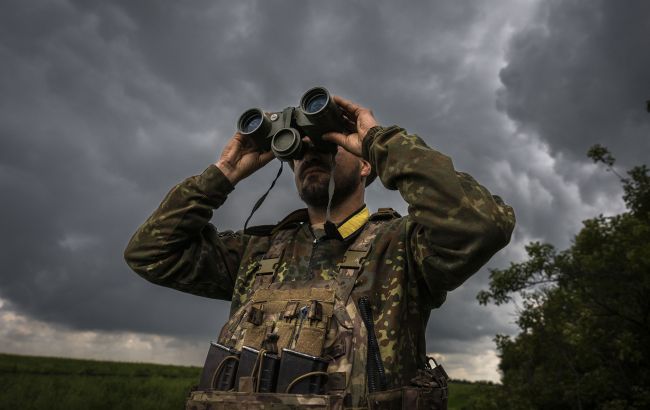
(331, 186)
(267, 266)
(271, 259)
(351, 266)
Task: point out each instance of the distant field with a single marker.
(28, 382)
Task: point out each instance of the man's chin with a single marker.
(314, 193)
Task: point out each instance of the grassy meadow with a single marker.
(28, 382)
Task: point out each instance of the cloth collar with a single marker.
(347, 228)
(351, 225)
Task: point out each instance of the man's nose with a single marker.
(309, 145)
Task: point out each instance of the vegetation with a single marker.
(54, 383)
(584, 319)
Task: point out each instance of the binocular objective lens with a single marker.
(315, 103)
(286, 144)
(251, 122)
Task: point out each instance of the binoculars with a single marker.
(282, 132)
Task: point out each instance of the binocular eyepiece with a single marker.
(282, 132)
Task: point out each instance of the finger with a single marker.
(349, 122)
(266, 157)
(232, 149)
(348, 105)
(238, 137)
(248, 148)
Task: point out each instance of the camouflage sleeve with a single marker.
(454, 224)
(177, 247)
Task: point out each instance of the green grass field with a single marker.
(28, 382)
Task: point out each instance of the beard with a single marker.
(313, 187)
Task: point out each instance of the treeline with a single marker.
(584, 314)
(29, 382)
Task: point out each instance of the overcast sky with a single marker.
(105, 105)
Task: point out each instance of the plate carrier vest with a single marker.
(292, 344)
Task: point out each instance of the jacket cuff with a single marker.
(213, 183)
(373, 133)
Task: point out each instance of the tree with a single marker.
(584, 320)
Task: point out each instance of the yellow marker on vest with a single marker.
(354, 223)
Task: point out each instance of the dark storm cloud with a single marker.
(105, 105)
(576, 75)
(579, 76)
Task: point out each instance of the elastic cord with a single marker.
(303, 377)
(217, 372)
(257, 369)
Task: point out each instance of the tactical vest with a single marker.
(293, 345)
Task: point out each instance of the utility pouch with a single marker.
(416, 398)
(428, 391)
(301, 373)
(219, 368)
(213, 400)
(259, 372)
(312, 330)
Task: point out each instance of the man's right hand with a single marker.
(240, 158)
(363, 119)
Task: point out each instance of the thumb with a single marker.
(335, 137)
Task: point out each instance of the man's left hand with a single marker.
(363, 120)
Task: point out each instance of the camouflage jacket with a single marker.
(453, 227)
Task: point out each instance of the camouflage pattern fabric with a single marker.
(453, 227)
(208, 400)
(338, 335)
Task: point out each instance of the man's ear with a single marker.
(366, 168)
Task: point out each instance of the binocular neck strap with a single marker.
(263, 197)
(330, 188)
(330, 227)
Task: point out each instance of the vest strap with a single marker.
(352, 259)
(269, 263)
(352, 265)
(267, 266)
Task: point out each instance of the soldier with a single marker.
(355, 293)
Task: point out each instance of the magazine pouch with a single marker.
(220, 368)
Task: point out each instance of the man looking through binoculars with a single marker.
(240, 158)
(350, 295)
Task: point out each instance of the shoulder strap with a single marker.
(385, 213)
(290, 221)
(269, 262)
(352, 264)
(349, 268)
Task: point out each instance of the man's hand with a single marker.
(363, 120)
(240, 158)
